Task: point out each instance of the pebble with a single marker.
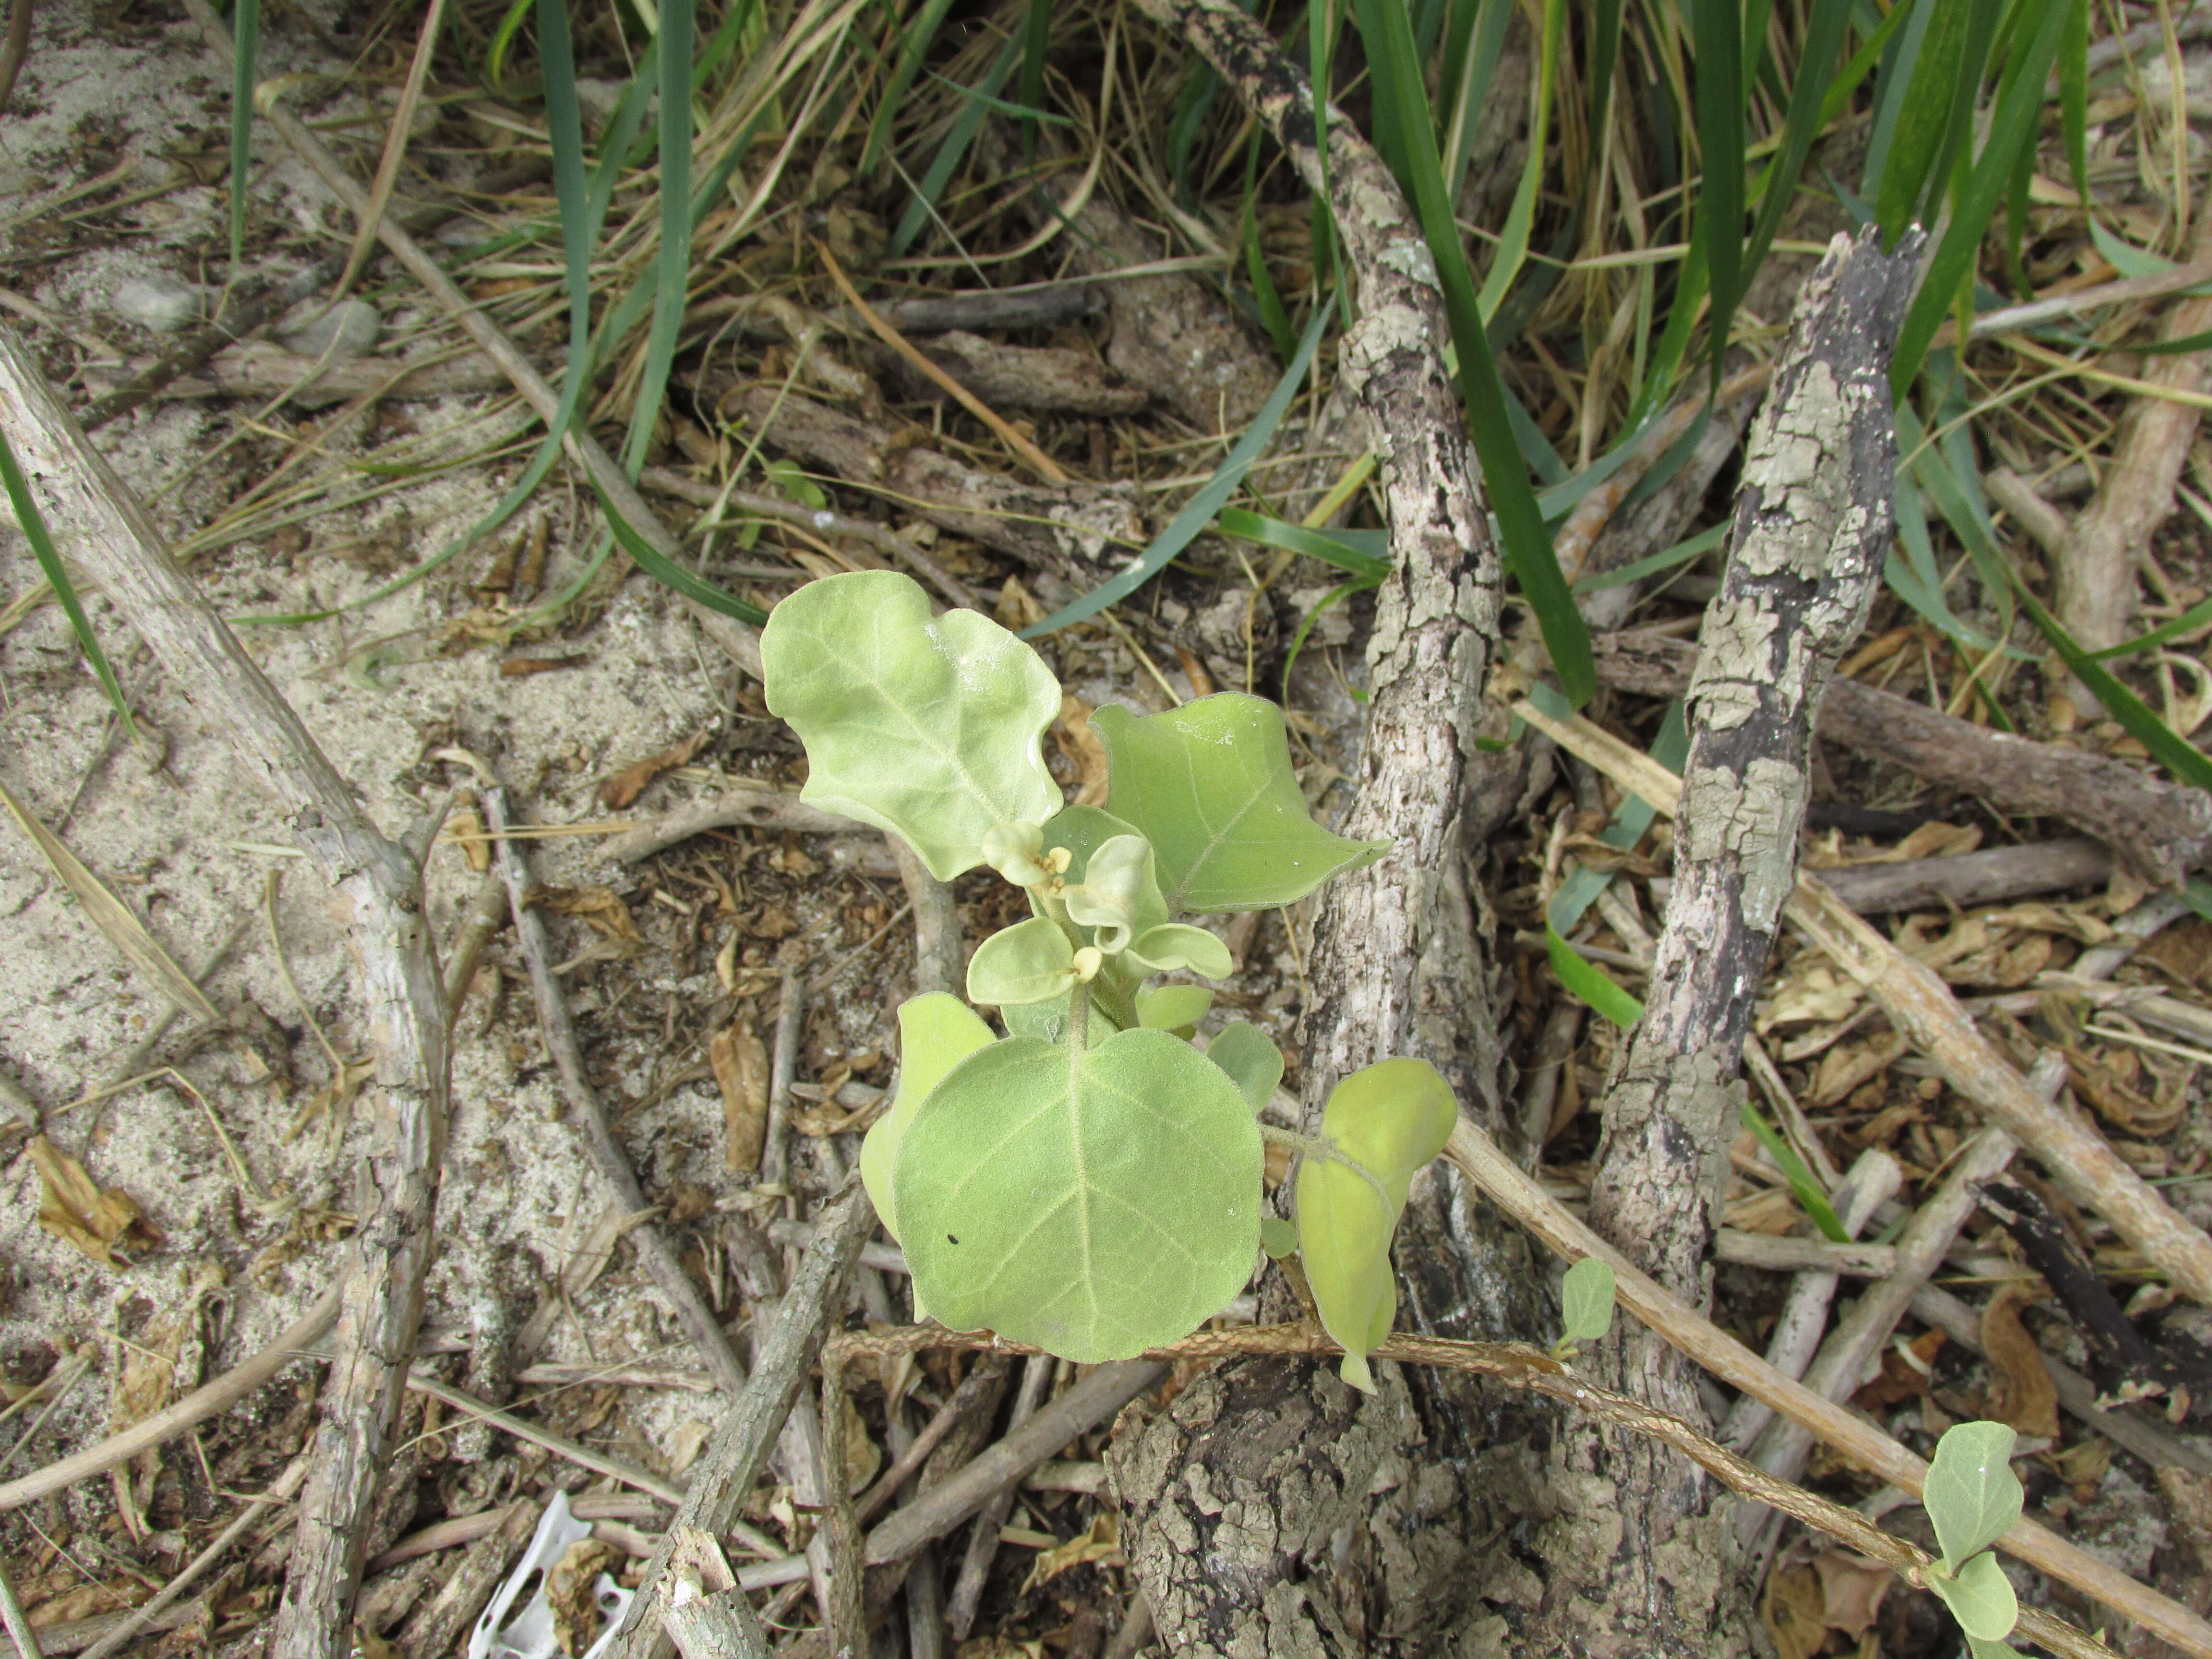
(159, 303)
(315, 326)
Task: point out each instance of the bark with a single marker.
(1812, 523)
(1399, 965)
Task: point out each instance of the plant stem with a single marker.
(1078, 1017)
(1323, 1147)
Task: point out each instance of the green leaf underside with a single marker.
(1177, 944)
(1980, 1598)
(1971, 1495)
(1586, 1297)
(1250, 1057)
(936, 1033)
(1029, 962)
(1095, 1204)
(931, 728)
(1392, 1117)
(1209, 786)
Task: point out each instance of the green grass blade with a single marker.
(1400, 98)
(2018, 107)
(721, 43)
(1899, 60)
(1513, 241)
(1201, 509)
(1364, 554)
(918, 39)
(1804, 1186)
(1924, 118)
(1037, 43)
(1716, 33)
(2188, 622)
(502, 39)
(672, 574)
(1652, 563)
(33, 524)
(2074, 93)
(1605, 57)
(1824, 31)
(951, 152)
(1341, 591)
(2183, 759)
(1586, 982)
(1670, 748)
(245, 30)
(1485, 39)
(672, 267)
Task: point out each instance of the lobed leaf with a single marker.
(1096, 1205)
(930, 727)
(1971, 1495)
(1390, 1118)
(1209, 786)
(936, 1033)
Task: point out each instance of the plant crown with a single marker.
(1091, 1180)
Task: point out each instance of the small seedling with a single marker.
(1972, 1498)
(1090, 1182)
(1586, 1297)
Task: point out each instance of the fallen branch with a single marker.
(1513, 1191)
(654, 1252)
(757, 806)
(120, 549)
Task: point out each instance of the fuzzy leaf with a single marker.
(936, 1033)
(1047, 1021)
(1391, 1117)
(1096, 1205)
(1173, 1007)
(1586, 1296)
(1980, 1598)
(1209, 786)
(1972, 1495)
(1118, 894)
(930, 727)
(1278, 1237)
(1029, 962)
(1177, 944)
(1250, 1057)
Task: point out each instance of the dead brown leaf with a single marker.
(571, 1590)
(626, 785)
(1102, 1544)
(1852, 1587)
(2022, 1392)
(740, 1061)
(2123, 1107)
(1768, 1211)
(1900, 1378)
(601, 908)
(1846, 1066)
(105, 1224)
(2183, 951)
(1073, 736)
(1018, 607)
(1792, 1610)
(154, 1369)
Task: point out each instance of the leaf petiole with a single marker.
(1323, 1147)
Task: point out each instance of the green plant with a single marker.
(1972, 1498)
(1586, 1297)
(1090, 1182)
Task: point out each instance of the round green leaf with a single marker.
(1972, 1495)
(1278, 1237)
(1250, 1057)
(1177, 944)
(1586, 1297)
(936, 1033)
(1173, 1007)
(1029, 962)
(1390, 1118)
(931, 728)
(1209, 786)
(1980, 1598)
(1095, 1204)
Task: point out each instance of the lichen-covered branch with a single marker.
(1812, 523)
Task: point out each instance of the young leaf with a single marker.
(1029, 962)
(1980, 1598)
(1278, 1237)
(1972, 1495)
(1177, 944)
(1390, 1118)
(932, 728)
(1250, 1057)
(1119, 892)
(1983, 1649)
(1095, 1204)
(1586, 1301)
(1209, 786)
(1173, 1007)
(936, 1033)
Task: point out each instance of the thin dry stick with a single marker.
(983, 1541)
(292, 1343)
(1518, 1365)
(783, 1066)
(485, 912)
(1521, 1198)
(939, 962)
(1040, 463)
(122, 551)
(281, 1491)
(741, 643)
(395, 146)
(724, 1475)
(574, 1450)
(653, 1250)
(973, 1387)
(2080, 1161)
